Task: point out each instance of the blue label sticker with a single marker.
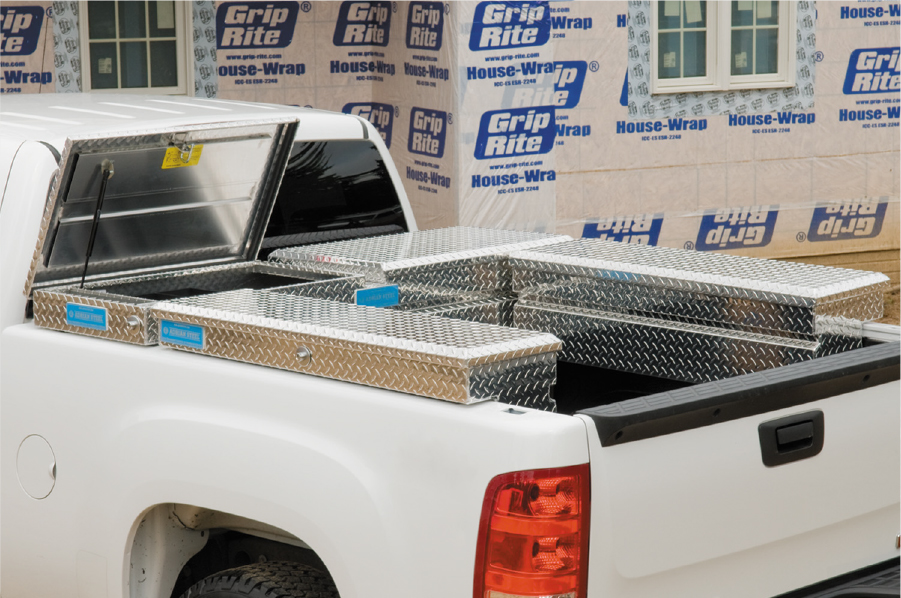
(854, 220)
(428, 131)
(425, 25)
(86, 316)
(508, 25)
(249, 25)
(20, 30)
(516, 132)
(185, 335)
(363, 24)
(380, 115)
(873, 70)
(735, 228)
(386, 296)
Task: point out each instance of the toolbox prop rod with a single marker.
(108, 170)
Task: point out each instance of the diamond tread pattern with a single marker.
(447, 359)
(669, 350)
(266, 580)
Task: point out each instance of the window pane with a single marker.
(131, 19)
(668, 56)
(743, 13)
(330, 182)
(694, 14)
(163, 72)
(101, 20)
(767, 51)
(104, 67)
(742, 52)
(668, 14)
(134, 64)
(695, 52)
(768, 13)
(162, 19)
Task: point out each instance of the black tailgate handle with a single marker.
(791, 438)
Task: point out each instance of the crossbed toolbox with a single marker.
(430, 356)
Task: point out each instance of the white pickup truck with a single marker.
(143, 472)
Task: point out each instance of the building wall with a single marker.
(605, 157)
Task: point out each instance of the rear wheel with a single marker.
(266, 580)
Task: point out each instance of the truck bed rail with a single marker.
(743, 396)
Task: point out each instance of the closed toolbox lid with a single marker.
(430, 356)
(178, 195)
(377, 258)
(420, 337)
(784, 283)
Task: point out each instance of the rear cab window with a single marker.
(333, 190)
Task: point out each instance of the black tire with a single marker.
(266, 580)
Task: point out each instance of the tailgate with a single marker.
(683, 507)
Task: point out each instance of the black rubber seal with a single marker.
(743, 396)
(876, 581)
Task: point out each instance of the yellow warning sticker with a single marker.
(175, 158)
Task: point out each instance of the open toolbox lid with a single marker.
(177, 197)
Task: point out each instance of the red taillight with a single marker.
(533, 537)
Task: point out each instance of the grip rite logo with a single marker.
(20, 29)
(735, 228)
(569, 79)
(508, 25)
(873, 70)
(380, 115)
(516, 132)
(428, 132)
(255, 24)
(640, 230)
(841, 222)
(425, 25)
(363, 24)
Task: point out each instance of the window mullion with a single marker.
(723, 45)
(754, 38)
(147, 43)
(118, 46)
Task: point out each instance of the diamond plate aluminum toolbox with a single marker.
(669, 349)
(740, 293)
(155, 213)
(430, 356)
(119, 309)
(431, 267)
(497, 311)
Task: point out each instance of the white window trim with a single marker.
(719, 52)
(184, 56)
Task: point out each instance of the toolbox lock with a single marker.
(304, 356)
(791, 438)
(133, 321)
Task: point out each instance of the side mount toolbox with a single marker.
(161, 213)
(429, 356)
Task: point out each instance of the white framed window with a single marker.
(136, 46)
(717, 46)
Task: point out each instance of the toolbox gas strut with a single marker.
(108, 170)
